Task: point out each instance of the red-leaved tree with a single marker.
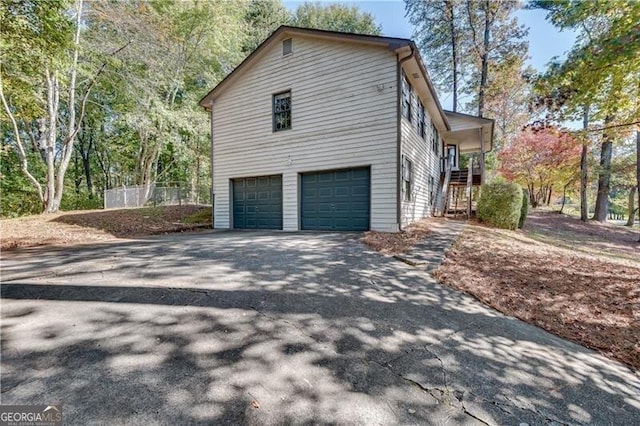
(543, 159)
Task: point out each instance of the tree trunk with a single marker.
(454, 51)
(73, 126)
(632, 209)
(24, 164)
(86, 164)
(638, 168)
(77, 177)
(485, 59)
(53, 100)
(584, 176)
(564, 197)
(85, 146)
(604, 176)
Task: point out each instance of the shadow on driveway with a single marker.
(281, 328)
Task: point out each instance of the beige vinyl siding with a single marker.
(425, 163)
(344, 114)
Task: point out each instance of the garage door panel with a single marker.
(342, 191)
(360, 207)
(324, 178)
(342, 207)
(324, 207)
(360, 190)
(342, 176)
(310, 179)
(336, 200)
(325, 192)
(257, 202)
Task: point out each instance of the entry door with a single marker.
(452, 156)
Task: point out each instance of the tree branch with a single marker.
(613, 126)
(24, 165)
(90, 86)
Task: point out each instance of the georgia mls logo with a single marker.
(53, 409)
(30, 415)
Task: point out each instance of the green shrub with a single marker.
(525, 208)
(500, 204)
(72, 200)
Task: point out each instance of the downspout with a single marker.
(213, 192)
(399, 135)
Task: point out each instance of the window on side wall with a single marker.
(282, 111)
(432, 195)
(287, 47)
(406, 98)
(421, 124)
(434, 138)
(407, 178)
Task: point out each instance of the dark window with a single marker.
(421, 123)
(435, 138)
(406, 178)
(287, 47)
(432, 197)
(282, 111)
(406, 98)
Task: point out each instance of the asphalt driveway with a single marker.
(272, 328)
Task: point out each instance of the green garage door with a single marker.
(337, 200)
(257, 202)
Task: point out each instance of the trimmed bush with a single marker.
(500, 204)
(525, 207)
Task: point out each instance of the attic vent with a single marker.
(287, 47)
(415, 75)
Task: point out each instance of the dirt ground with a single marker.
(399, 242)
(589, 237)
(577, 280)
(99, 225)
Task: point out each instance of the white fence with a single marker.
(165, 195)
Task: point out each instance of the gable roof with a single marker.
(392, 43)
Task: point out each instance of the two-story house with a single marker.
(321, 130)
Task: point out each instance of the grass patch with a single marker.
(202, 217)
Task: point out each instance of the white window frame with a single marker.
(407, 178)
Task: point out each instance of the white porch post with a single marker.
(482, 165)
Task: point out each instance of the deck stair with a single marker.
(460, 188)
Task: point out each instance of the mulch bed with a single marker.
(592, 235)
(590, 296)
(398, 242)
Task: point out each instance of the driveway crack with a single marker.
(538, 412)
(439, 394)
(444, 370)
